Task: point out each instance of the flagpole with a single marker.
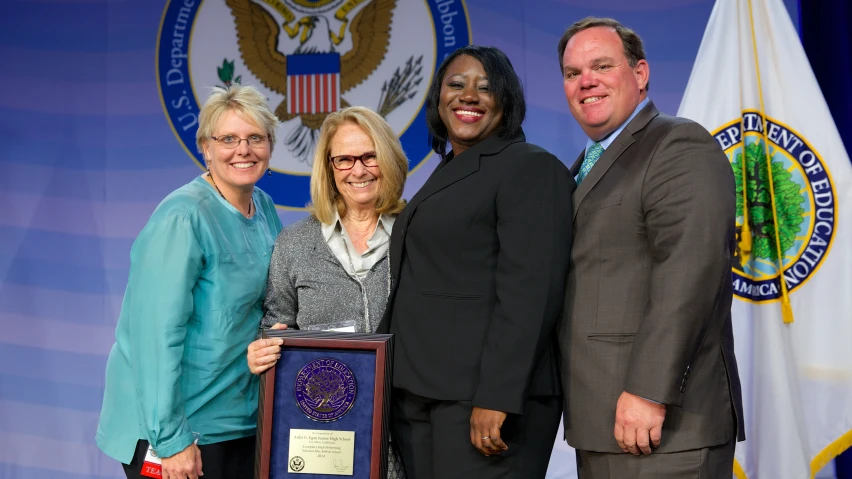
(745, 243)
(786, 309)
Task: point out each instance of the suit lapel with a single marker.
(446, 174)
(396, 247)
(458, 168)
(575, 169)
(611, 154)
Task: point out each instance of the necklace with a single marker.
(223, 196)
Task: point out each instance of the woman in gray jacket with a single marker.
(330, 271)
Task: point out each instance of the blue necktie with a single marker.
(592, 154)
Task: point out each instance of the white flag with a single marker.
(752, 86)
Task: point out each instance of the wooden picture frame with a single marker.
(278, 412)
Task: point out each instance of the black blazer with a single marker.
(479, 259)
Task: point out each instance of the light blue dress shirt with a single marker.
(193, 304)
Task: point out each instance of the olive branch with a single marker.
(402, 86)
(226, 73)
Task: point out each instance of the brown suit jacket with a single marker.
(647, 307)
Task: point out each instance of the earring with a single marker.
(269, 172)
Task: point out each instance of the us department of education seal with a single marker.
(297, 463)
(805, 206)
(309, 58)
(325, 389)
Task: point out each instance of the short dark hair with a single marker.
(630, 40)
(503, 83)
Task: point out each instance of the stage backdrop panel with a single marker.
(98, 110)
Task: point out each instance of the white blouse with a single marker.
(358, 265)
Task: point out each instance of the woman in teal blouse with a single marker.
(176, 377)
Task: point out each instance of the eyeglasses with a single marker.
(231, 141)
(347, 162)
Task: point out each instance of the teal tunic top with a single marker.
(193, 304)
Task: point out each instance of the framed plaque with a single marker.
(323, 408)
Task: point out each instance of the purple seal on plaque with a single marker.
(325, 389)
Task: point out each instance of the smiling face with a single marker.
(466, 105)
(601, 87)
(237, 169)
(359, 186)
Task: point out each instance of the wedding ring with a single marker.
(485, 437)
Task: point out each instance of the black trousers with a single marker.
(221, 460)
(433, 438)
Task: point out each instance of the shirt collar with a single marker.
(386, 221)
(329, 229)
(609, 139)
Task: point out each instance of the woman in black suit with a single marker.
(479, 259)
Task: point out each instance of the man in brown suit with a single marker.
(649, 373)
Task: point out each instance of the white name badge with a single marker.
(152, 466)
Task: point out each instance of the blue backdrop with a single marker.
(90, 152)
(824, 29)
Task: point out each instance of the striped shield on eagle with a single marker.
(313, 82)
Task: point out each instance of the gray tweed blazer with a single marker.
(309, 289)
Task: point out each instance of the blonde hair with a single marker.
(392, 162)
(244, 99)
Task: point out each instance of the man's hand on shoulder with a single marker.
(638, 423)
